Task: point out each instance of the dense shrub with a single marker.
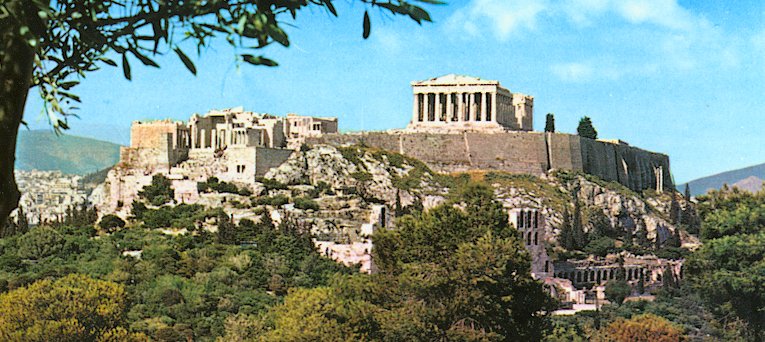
(159, 192)
(275, 201)
(271, 184)
(111, 222)
(306, 203)
(213, 184)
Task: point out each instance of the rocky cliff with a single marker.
(347, 182)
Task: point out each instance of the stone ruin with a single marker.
(233, 145)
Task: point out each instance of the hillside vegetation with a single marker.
(44, 150)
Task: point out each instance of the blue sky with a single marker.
(684, 78)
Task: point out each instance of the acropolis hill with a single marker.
(459, 123)
(462, 123)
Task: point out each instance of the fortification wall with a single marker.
(563, 151)
(519, 152)
(516, 152)
(149, 134)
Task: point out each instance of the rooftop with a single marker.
(452, 79)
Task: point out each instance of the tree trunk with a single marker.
(16, 65)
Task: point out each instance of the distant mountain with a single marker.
(748, 178)
(44, 150)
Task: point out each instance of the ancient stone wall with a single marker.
(268, 158)
(519, 152)
(516, 152)
(563, 151)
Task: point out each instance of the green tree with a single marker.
(73, 308)
(566, 236)
(111, 222)
(52, 45)
(550, 123)
(159, 192)
(675, 213)
(469, 270)
(585, 128)
(687, 192)
(617, 291)
(641, 234)
(40, 243)
(317, 314)
(227, 232)
(577, 228)
(643, 328)
(23, 222)
(729, 274)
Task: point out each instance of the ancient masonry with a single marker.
(583, 281)
(233, 145)
(462, 123)
(459, 123)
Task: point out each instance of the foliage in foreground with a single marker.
(72, 308)
(450, 273)
(173, 285)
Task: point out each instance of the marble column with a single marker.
(437, 107)
(449, 107)
(460, 108)
(471, 107)
(494, 108)
(483, 107)
(423, 103)
(415, 117)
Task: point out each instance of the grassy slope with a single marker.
(43, 150)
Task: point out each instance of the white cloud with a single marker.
(504, 17)
(573, 72)
(627, 37)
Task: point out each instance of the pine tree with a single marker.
(550, 123)
(585, 128)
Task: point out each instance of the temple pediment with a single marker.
(454, 79)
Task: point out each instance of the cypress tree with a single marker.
(399, 209)
(226, 230)
(676, 239)
(580, 239)
(641, 234)
(23, 223)
(585, 128)
(550, 123)
(687, 192)
(674, 211)
(657, 242)
(566, 235)
(668, 279)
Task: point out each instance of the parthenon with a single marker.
(464, 103)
